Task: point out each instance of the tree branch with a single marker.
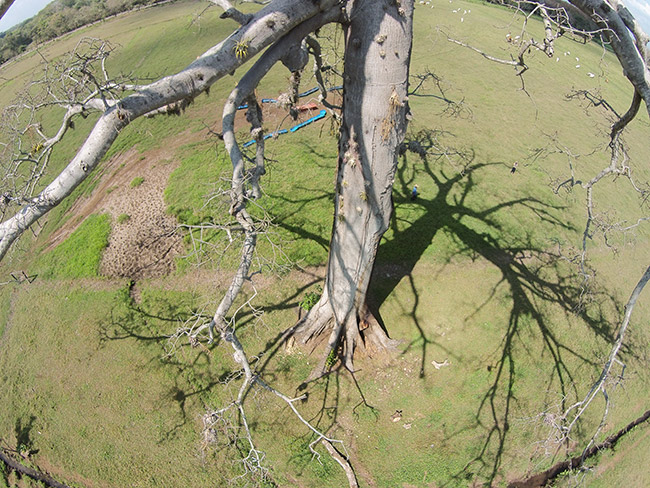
(628, 45)
(230, 12)
(599, 385)
(238, 197)
(4, 6)
(30, 472)
(267, 25)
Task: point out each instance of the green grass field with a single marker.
(475, 272)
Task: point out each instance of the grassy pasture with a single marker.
(467, 273)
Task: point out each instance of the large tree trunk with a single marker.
(377, 54)
(627, 39)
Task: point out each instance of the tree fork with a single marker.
(244, 91)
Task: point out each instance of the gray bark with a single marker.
(245, 89)
(377, 54)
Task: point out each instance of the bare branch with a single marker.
(509, 62)
(253, 462)
(599, 385)
(626, 118)
(230, 12)
(238, 196)
(628, 45)
(267, 25)
(343, 462)
(319, 68)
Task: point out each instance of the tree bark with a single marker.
(377, 54)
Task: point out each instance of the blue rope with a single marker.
(320, 115)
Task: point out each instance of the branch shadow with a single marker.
(531, 274)
(131, 320)
(191, 371)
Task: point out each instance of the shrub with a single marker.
(311, 298)
(137, 181)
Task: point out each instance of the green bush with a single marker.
(311, 298)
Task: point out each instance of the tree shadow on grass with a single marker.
(193, 374)
(23, 431)
(532, 275)
(296, 214)
(142, 322)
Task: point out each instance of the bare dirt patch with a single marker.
(143, 243)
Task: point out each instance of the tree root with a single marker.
(27, 471)
(545, 477)
(360, 335)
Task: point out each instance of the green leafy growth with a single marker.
(311, 298)
(137, 181)
(331, 359)
(80, 254)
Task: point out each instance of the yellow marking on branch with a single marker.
(241, 49)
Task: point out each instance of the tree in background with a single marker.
(56, 19)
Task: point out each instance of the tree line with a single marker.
(58, 18)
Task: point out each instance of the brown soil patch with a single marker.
(146, 244)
